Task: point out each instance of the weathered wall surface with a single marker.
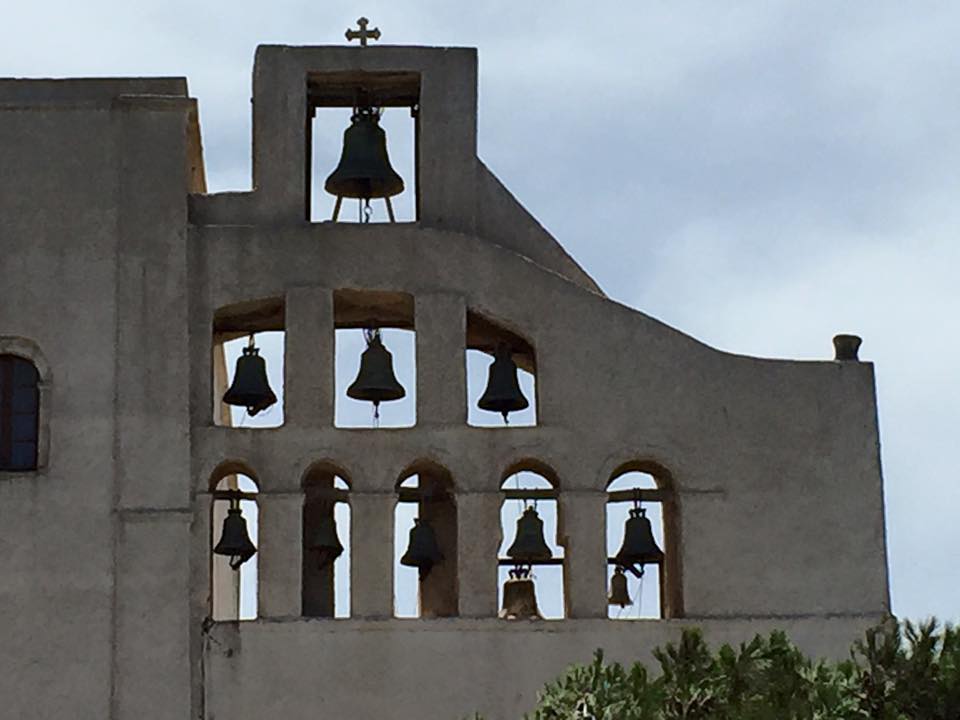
(762, 452)
(92, 209)
(443, 669)
(775, 466)
(115, 277)
(58, 234)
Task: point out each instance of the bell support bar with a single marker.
(234, 495)
(504, 562)
(619, 496)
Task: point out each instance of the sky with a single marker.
(761, 175)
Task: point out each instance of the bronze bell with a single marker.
(364, 170)
(639, 546)
(529, 546)
(520, 597)
(234, 542)
(250, 388)
(619, 595)
(422, 550)
(324, 541)
(376, 382)
(503, 394)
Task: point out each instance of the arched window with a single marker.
(531, 586)
(233, 542)
(643, 568)
(425, 544)
(19, 414)
(326, 543)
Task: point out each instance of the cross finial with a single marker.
(363, 34)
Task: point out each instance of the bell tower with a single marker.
(566, 458)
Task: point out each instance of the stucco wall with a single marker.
(92, 208)
(443, 669)
(115, 275)
(58, 216)
(775, 466)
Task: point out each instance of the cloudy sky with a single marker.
(759, 174)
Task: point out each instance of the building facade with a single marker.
(121, 279)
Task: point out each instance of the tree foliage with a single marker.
(896, 672)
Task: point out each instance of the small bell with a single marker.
(503, 394)
(250, 388)
(639, 546)
(234, 542)
(520, 597)
(324, 541)
(619, 595)
(376, 382)
(529, 546)
(422, 550)
(364, 170)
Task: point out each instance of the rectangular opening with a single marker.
(501, 370)
(332, 98)
(250, 335)
(227, 354)
(355, 313)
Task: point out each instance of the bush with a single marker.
(897, 672)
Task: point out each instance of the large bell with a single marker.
(422, 550)
(503, 394)
(324, 541)
(234, 542)
(619, 594)
(376, 382)
(639, 546)
(250, 388)
(529, 546)
(520, 597)
(364, 171)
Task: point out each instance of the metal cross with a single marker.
(362, 34)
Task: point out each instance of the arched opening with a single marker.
(425, 544)
(531, 558)
(326, 543)
(19, 414)
(643, 562)
(233, 542)
(501, 375)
